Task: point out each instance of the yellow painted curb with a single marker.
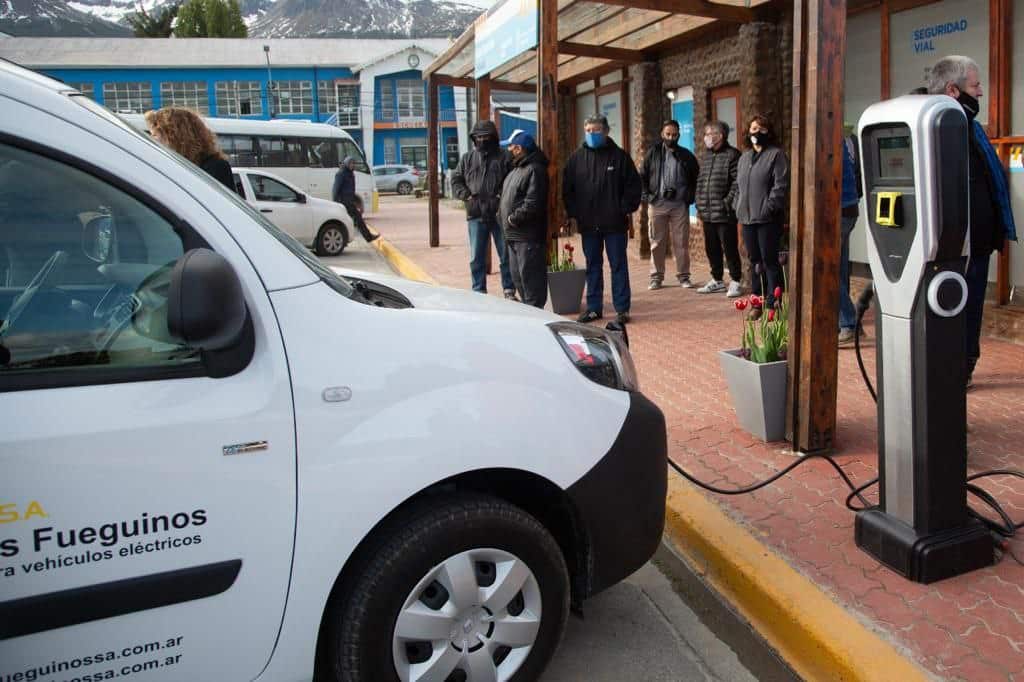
(400, 262)
(817, 637)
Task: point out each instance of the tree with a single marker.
(157, 25)
(210, 19)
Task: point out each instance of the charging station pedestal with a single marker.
(914, 153)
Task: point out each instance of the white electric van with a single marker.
(222, 460)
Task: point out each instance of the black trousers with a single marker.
(357, 219)
(721, 239)
(528, 262)
(762, 240)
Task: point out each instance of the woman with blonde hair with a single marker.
(184, 131)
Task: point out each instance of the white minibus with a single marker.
(304, 153)
(224, 461)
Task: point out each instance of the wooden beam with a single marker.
(696, 8)
(547, 104)
(584, 17)
(819, 49)
(433, 198)
(672, 26)
(587, 68)
(603, 52)
(621, 25)
(483, 99)
(453, 50)
(453, 81)
(1001, 83)
(505, 86)
(885, 56)
(699, 34)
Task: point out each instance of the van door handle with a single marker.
(266, 210)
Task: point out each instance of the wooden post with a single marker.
(483, 98)
(1000, 92)
(547, 107)
(433, 120)
(819, 30)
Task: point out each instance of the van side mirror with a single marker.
(205, 303)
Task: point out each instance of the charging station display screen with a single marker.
(895, 157)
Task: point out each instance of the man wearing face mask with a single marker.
(523, 213)
(716, 189)
(477, 181)
(991, 220)
(669, 177)
(600, 189)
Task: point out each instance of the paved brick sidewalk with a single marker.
(969, 628)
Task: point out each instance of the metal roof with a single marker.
(204, 52)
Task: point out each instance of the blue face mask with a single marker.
(595, 140)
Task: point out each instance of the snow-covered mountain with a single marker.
(265, 18)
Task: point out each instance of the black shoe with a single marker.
(370, 237)
(970, 380)
(510, 295)
(622, 318)
(589, 316)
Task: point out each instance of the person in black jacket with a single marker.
(343, 191)
(184, 131)
(523, 213)
(600, 189)
(477, 182)
(716, 190)
(762, 188)
(669, 175)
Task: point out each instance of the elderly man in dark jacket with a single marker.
(477, 181)
(523, 213)
(601, 188)
(344, 192)
(669, 175)
(716, 190)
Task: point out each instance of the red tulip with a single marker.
(778, 292)
(771, 315)
(741, 304)
(756, 301)
(568, 246)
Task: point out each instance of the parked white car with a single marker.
(222, 460)
(324, 226)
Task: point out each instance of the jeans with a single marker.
(478, 245)
(977, 283)
(721, 239)
(762, 240)
(529, 264)
(357, 218)
(670, 221)
(847, 313)
(594, 245)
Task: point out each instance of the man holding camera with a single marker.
(669, 176)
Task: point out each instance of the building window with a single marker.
(128, 98)
(411, 100)
(189, 94)
(390, 151)
(293, 97)
(387, 101)
(85, 88)
(238, 98)
(341, 99)
(414, 152)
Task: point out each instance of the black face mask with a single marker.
(763, 138)
(969, 103)
(671, 144)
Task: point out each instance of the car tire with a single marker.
(404, 187)
(331, 240)
(410, 574)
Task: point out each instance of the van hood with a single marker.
(433, 297)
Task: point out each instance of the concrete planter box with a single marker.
(758, 394)
(566, 290)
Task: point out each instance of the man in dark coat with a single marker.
(523, 213)
(477, 181)
(344, 192)
(600, 189)
(716, 190)
(669, 175)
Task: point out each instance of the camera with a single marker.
(669, 194)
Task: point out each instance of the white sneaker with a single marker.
(712, 287)
(686, 284)
(735, 290)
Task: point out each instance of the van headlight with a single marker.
(601, 356)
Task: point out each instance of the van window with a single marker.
(239, 149)
(83, 280)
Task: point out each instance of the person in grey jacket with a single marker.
(762, 187)
(716, 190)
(523, 214)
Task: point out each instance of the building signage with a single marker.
(507, 30)
(924, 38)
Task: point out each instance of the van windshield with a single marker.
(326, 275)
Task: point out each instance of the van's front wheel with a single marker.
(471, 590)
